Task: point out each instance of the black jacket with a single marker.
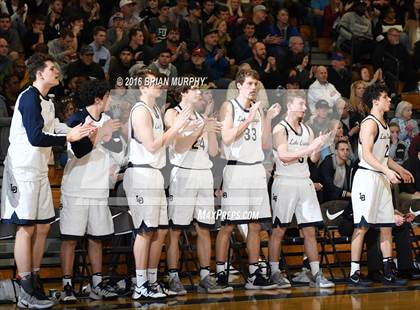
(327, 172)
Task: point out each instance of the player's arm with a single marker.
(182, 141)
(231, 134)
(33, 123)
(404, 173)
(280, 143)
(272, 112)
(367, 135)
(315, 155)
(85, 145)
(143, 129)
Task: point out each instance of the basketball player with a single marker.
(245, 196)
(26, 193)
(293, 192)
(191, 188)
(371, 192)
(144, 184)
(85, 190)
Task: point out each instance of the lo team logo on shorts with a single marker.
(13, 188)
(139, 199)
(362, 197)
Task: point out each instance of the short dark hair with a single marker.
(37, 62)
(39, 17)
(91, 90)
(221, 8)
(243, 74)
(292, 94)
(98, 29)
(4, 15)
(142, 74)
(249, 23)
(373, 92)
(133, 32)
(337, 144)
(65, 32)
(184, 88)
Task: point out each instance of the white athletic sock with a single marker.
(274, 267)
(67, 280)
(24, 274)
(36, 270)
(355, 266)
(141, 277)
(96, 279)
(172, 273)
(204, 272)
(220, 267)
(252, 268)
(314, 267)
(152, 275)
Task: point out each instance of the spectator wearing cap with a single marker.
(127, 8)
(178, 12)
(9, 34)
(116, 34)
(191, 28)
(35, 35)
(101, 54)
(62, 48)
(197, 67)
(265, 66)
(243, 44)
(151, 11)
(85, 66)
(120, 66)
(159, 27)
(339, 75)
(215, 58)
(54, 20)
(262, 26)
(396, 64)
(321, 89)
(163, 64)
(282, 31)
(319, 121)
(208, 14)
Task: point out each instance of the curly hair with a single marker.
(37, 62)
(373, 92)
(90, 90)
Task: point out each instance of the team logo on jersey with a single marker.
(13, 188)
(384, 136)
(139, 199)
(362, 197)
(241, 118)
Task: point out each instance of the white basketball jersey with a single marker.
(295, 142)
(195, 158)
(248, 148)
(380, 147)
(137, 153)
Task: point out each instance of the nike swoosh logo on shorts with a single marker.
(415, 213)
(332, 217)
(115, 215)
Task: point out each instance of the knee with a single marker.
(69, 243)
(175, 234)
(43, 229)
(254, 228)
(95, 242)
(161, 234)
(226, 230)
(26, 231)
(277, 233)
(308, 233)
